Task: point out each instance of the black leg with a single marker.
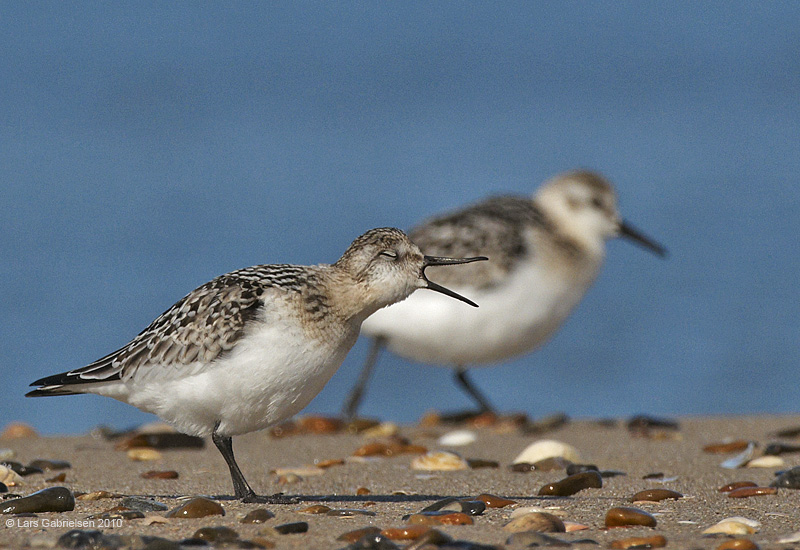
(464, 382)
(353, 400)
(241, 488)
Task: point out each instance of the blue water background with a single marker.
(148, 147)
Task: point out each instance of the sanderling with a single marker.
(544, 252)
(254, 346)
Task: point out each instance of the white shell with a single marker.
(547, 448)
(734, 526)
(457, 438)
(766, 461)
(9, 477)
(7, 454)
(439, 460)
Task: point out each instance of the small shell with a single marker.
(439, 460)
(9, 477)
(548, 448)
(143, 454)
(766, 461)
(457, 438)
(733, 526)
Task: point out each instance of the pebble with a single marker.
(47, 465)
(778, 448)
(736, 485)
(288, 479)
(9, 477)
(3, 488)
(409, 532)
(432, 537)
(642, 422)
(580, 468)
(738, 544)
(573, 484)
(17, 430)
(60, 478)
(439, 518)
(395, 446)
(517, 512)
(315, 509)
(316, 424)
(624, 516)
(53, 499)
(160, 474)
(766, 461)
(532, 539)
(197, 508)
(477, 463)
(744, 492)
(656, 541)
(494, 501)
(541, 522)
(457, 438)
(324, 464)
(736, 525)
(292, 528)
(353, 536)
(439, 461)
(551, 464)
(361, 491)
(452, 504)
(741, 459)
(655, 495)
(547, 448)
(88, 539)
(218, 534)
(161, 440)
(726, 447)
(143, 454)
(790, 479)
(24, 471)
(143, 504)
(360, 425)
(259, 515)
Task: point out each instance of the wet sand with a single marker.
(395, 489)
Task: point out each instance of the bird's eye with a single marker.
(389, 254)
(597, 203)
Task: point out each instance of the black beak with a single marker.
(635, 235)
(432, 261)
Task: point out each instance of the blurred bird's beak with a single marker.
(434, 261)
(627, 230)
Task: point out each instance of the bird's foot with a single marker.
(277, 498)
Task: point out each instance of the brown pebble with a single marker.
(353, 536)
(259, 515)
(572, 484)
(361, 491)
(409, 532)
(17, 430)
(330, 462)
(736, 485)
(47, 465)
(315, 509)
(540, 522)
(96, 495)
(624, 516)
(219, 534)
(160, 474)
(197, 508)
(521, 467)
(738, 544)
(285, 429)
(656, 541)
(292, 528)
(655, 495)
(288, 479)
(494, 501)
(58, 479)
(744, 492)
(478, 463)
(430, 419)
(724, 448)
(320, 424)
(358, 425)
(439, 518)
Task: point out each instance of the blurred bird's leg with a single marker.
(353, 401)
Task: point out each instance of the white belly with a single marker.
(269, 376)
(513, 318)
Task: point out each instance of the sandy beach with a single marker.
(390, 488)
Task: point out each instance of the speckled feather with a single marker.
(494, 227)
(204, 324)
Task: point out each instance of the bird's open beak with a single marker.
(433, 261)
(626, 230)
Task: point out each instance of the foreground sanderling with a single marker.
(254, 346)
(544, 252)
